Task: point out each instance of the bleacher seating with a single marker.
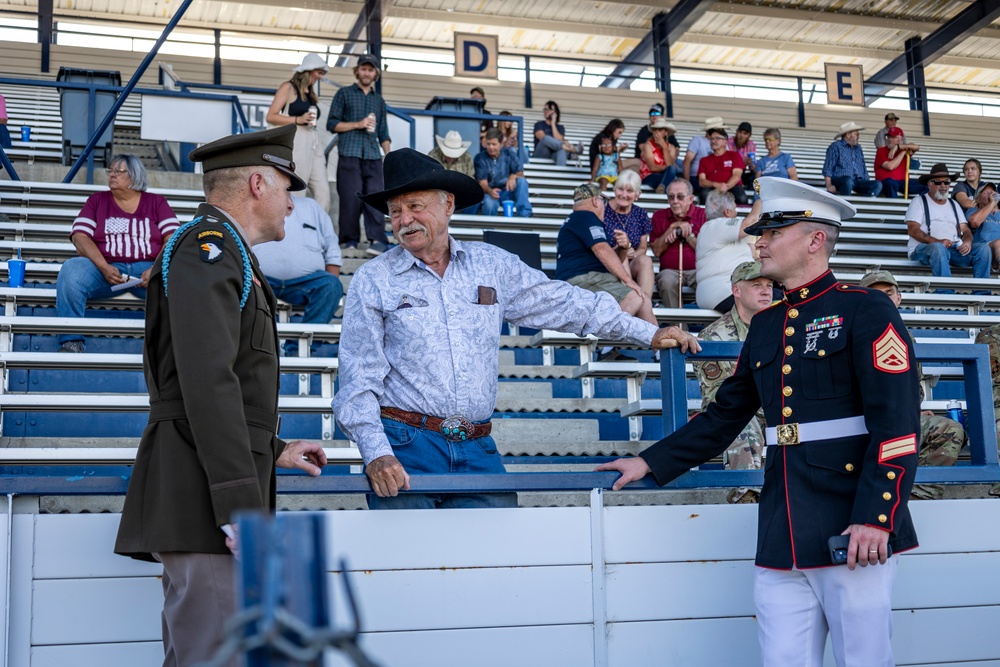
(553, 399)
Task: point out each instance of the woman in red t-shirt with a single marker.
(118, 234)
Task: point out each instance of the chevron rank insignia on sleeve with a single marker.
(891, 449)
(890, 352)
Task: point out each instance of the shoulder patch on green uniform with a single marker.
(210, 246)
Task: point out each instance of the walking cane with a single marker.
(680, 272)
(906, 179)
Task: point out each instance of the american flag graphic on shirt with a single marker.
(122, 236)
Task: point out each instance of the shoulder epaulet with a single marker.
(852, 288)
(168, 251)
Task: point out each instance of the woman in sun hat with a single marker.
(296, 103)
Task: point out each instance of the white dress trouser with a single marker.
(797, 608)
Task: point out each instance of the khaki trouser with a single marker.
(666, 285)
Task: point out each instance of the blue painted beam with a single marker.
(678, 21)
(966, 23)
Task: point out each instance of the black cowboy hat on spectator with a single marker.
(406, 170)
(939, 170)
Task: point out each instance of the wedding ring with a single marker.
(873, 551)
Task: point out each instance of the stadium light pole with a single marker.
(88, 152)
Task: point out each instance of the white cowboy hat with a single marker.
(849, 126)
(310, 62)
(714, 122)
(452, 144)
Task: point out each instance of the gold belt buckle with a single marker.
(788, 434)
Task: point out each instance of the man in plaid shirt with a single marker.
(358, 116)
(844, 168)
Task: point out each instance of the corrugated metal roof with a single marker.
(742, 35)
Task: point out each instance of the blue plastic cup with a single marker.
(25, 133)
(15, 272)
(508, 209)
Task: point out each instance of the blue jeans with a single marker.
(80, 279)
(319, 292)
(551, 147)
(492, 206)
(847, 184)
(423, 451)
(941, 259)
(892, 187)
(664, 178)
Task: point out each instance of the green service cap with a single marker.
(272, 148)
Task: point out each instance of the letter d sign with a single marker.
(476, 55)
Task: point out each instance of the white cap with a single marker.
(785, 202)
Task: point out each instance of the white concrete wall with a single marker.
(672, 586)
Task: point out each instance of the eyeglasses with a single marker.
(676, 197)
(655, 113)
(115, 171)
(940, 182)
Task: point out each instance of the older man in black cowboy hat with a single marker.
(421, 337)
(832, 367)
(211, 364)
(939, 233)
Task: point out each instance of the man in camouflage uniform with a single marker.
(991, 337)
(941, 438)
(752, 294)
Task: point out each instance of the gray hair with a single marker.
(441, 194)
(631, 179)
(685, 182)
(134, 167)
(716, 203)
(773, 132)
(224, 184)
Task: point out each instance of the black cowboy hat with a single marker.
(939, 170)
(406, 170)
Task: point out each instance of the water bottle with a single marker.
(954, 409)
(315, 112)
(371, 128)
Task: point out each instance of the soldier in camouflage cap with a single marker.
(751, 293)
(941, 438)
(991, 337)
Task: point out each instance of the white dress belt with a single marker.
(794, 434)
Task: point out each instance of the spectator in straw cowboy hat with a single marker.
(844, 168)
(453, 153)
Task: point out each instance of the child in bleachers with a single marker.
(607, 165)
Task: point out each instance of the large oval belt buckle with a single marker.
(456, 428)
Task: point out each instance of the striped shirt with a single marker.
(122, 236)
(842, 159)
(350, 105)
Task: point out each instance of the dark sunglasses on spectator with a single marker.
(677, 197)
(655, 113)
(940, 182)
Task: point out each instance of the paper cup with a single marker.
(15, 272)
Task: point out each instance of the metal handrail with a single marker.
(76, 479)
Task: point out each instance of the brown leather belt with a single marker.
(455, 429)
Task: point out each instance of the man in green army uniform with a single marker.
(941, 438)
(991, 336)
(752, 294)
(211, 366)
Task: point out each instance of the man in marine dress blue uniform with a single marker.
(833, 368)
